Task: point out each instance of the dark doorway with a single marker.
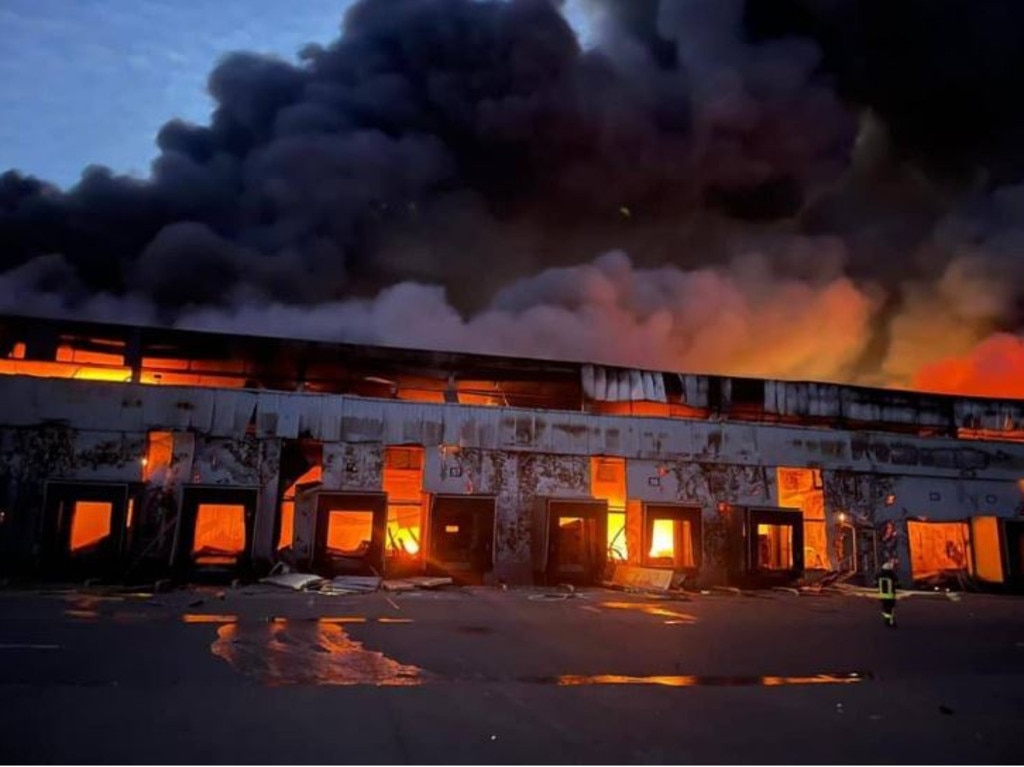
(350, 532)
(775, 550)
(1014, 535)
(672, 537)
(461, 537)
(215, 533)
(573, 544)
(84, 529)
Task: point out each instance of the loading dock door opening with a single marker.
(775, 544)
(461, 537)
(1013, 531)
(938, 547)
(349, 532)
(219, 537)
(672, 537)
(575, 547)
(215, 530)
(83, 528)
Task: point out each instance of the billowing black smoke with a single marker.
(857, 156)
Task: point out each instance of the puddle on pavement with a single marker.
(573, 680)
(284, 652)
(675, 618)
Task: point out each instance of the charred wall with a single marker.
(95, 432)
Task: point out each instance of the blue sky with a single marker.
(91, 81)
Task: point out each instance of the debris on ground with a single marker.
(730, 590)
(416, 582)
(351, 584)
(294, 581)
(398, 585)
(643, 578)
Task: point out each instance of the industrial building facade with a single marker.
(130, 452)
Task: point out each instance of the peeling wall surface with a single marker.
(94, 432)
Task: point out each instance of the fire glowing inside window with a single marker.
(219, 533)
(403, 529)
(775, 547)
(663, 539)
(90, 524)
(451, 529)
(671, 543)
(617, 535)
(349, 532)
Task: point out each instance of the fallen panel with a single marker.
(648, 578)
(398, 585)
(355, 583)
(428, 582)
(295, 581)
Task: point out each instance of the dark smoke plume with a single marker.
(446, 172)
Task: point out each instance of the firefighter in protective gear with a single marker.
(886, 580)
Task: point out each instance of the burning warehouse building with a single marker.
(134, 451)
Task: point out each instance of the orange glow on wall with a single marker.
(349, 532)
(608, 482)
(988, 549)
(219, 532)
(159, 452)
(403, 482)
(90, 523)
(803, 489)
(286, 535)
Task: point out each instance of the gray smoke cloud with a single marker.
(710, 186)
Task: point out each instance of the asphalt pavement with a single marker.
(479, 675)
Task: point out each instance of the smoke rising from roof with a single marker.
(714, 186)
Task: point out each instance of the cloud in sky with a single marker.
(92, 81)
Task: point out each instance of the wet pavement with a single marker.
(261, 675)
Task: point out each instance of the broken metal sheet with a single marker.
(311, 417)
(328, 428)
(355, 583)
(398, 585)
(365, 421)
(604, 384)
(428, 582)
(289, 415)
(294, 581)
(643, 578)
(232, 412)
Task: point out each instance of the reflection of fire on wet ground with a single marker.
(675, 617)
(284, 652)
(576, 680)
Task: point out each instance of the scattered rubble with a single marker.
(294, 581)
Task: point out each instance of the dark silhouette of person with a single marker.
(886, 580)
